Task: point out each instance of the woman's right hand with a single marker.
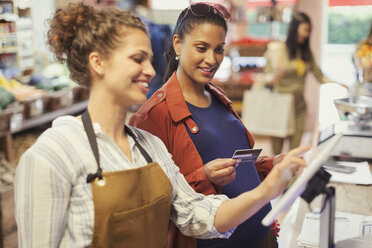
(279, 177)
(236, 210)
(221, 171)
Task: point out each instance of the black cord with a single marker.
(328, 193)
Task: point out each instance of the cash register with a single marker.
(355, 123)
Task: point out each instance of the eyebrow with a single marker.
(150, 55)
(205, 43)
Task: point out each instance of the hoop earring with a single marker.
(177, 57)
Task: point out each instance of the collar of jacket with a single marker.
(177, 103)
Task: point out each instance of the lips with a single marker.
(207, 71)
(143, 86)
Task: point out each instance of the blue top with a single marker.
(220, 134)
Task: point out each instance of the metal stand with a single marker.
(327, 219)
(316, 186)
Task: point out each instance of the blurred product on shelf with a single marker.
(19, 91)
(6, 7)
(60, 99)
(61, 90)
(247, 46)
(26, 59)
(7, 60)
(16, 40)
(33, 107)
(6, 98)
(23, 92)
(11, 118)
(17, 116)
(52, 90)
(243, 62)
(249, 41)
(53, 84)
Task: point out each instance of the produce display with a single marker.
(20, 91)
(53, 84)
(49, 91)
(54, 77)
(5, 98)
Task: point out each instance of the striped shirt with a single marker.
(54, 205)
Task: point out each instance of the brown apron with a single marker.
(131, 207)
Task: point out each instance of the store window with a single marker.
(347, 25)
(349, 21)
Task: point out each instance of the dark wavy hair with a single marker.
(292, 37)
(186, 23)
(77, 30)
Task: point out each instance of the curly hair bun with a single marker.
(63, 27)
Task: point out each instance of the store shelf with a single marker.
(16, 37)
(248, 50)
(48, 117)
(8, 50)
(9, 17)
(247, 62)
(6, 137)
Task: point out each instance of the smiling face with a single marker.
(201, 53)
(127, 72)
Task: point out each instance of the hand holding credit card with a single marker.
(246, 155)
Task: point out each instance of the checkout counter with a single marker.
(350, 198)
(356, 145)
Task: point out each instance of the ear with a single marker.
(96, 63)
(177, 44)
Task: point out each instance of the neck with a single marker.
(193, 92)
(110, 115)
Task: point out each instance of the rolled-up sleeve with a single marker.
(193, 213)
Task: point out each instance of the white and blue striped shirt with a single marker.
(54, 205)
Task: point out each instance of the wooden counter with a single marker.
(350, 198)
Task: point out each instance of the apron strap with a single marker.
(87, 122)
(143, 151)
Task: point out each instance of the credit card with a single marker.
(247, 154)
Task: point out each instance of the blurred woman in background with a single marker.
(287, 64)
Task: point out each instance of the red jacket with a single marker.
(164, 115)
